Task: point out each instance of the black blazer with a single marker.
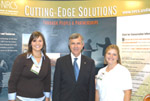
(66, 88)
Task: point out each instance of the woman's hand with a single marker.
(47, 99)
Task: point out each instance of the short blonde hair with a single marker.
(118, 53)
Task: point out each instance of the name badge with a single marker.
(35, 69)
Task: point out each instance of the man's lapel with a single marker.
(82, 66)
(70, 67)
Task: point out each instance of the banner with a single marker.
(73, 9)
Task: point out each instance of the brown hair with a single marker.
(33, 36)
(118, 53)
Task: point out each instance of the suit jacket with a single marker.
(66, 88)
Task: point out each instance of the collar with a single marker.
(72, 56)
(29, 55)
(78, 61)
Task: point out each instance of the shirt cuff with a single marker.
(47, 94)
(11, 96)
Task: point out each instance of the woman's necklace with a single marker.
(37, 56)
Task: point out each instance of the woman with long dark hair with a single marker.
(30, 76)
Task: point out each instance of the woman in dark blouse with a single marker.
(30, 76)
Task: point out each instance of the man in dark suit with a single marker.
(66, 86)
